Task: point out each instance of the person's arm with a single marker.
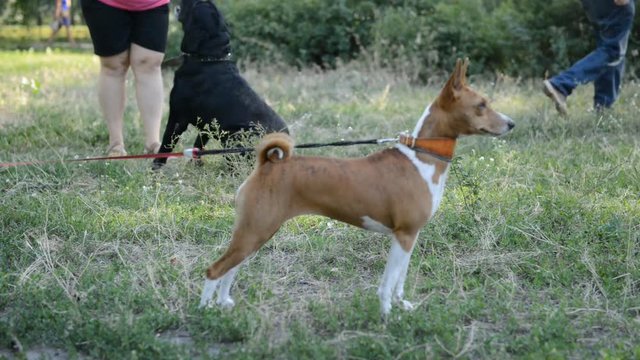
(621, 2)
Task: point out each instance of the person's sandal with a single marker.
(558, 99)
(116, 150)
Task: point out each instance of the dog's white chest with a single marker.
(436, 184)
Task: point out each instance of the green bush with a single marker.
(511, 37)
(417, 37)
(403, 40)
(300, 32)
(517, 37)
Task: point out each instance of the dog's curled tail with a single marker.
(274, 147)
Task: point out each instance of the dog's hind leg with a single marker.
(244, 242)
(256, 222)
(224, 298)
(224, 283)
(223, 270)
(395, 270)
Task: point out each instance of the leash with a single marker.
(191, 153)
(100, 158)
(243, 150)
(195, 153)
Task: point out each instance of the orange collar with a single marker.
(441, 148)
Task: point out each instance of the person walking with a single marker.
(61, 17)
(129, 34)
(612, 21)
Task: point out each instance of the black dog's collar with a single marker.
(204, 58)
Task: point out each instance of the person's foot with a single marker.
(153, 149)
(558, 99)
(116, 150)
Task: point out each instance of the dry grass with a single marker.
(534, 252)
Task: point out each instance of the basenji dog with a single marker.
(394, 191)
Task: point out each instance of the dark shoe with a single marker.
(558, 99)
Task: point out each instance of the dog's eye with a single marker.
(482, 106)
(177, 10)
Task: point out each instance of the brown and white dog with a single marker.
(394, 191)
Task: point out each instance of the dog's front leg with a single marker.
(398, 291)
(395, 270)
(175, 127)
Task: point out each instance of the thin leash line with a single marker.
(192, 153)
(100, 158)
(300, 146)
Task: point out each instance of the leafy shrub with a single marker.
(417, 37)
(300, 32)
(403, 40)
(516, 38)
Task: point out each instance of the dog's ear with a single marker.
(205, 30)
(212, 21)
(463, 71)
(459, 76)
(457, 80)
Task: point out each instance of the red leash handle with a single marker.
(193, 153)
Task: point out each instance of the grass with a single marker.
(534, 253)
(16, 36)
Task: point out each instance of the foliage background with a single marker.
(418, 37)
(516, 37)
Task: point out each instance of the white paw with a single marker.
(226, 302)
(405, 305)
(205, 303)
(385, 307)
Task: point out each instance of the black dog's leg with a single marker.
(175, 128)
(202, 139)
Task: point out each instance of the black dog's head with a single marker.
(205, 31)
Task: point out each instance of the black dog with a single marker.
(208, 86)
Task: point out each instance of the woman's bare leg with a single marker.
(111, 96)
(145, 64)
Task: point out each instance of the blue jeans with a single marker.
(604, 66)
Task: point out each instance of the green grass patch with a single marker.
(534, 252)
(17, 36)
